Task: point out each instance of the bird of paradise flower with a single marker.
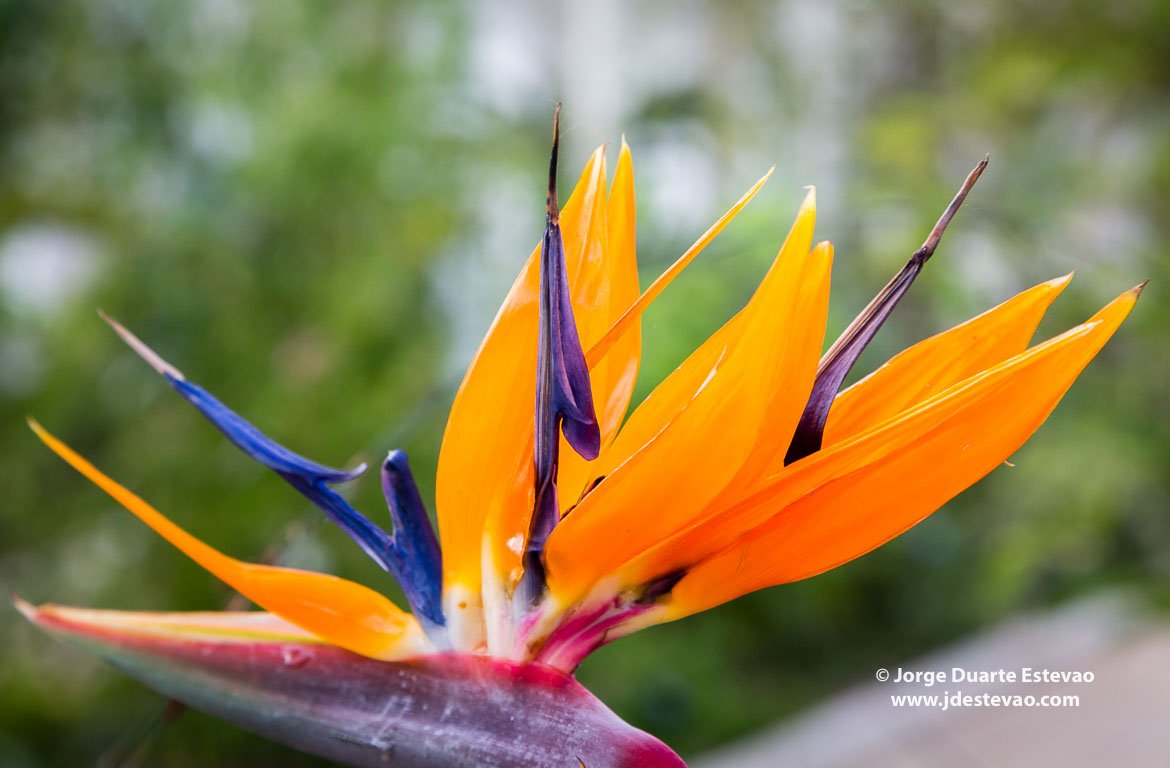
(745, 468)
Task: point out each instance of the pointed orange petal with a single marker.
(937, 363)
(487, 443)
(602, 347)
(340, 612)
(507, 522)
(857, 495)
(613, 376)
(746, 403)
(594, 295)
(217, 626)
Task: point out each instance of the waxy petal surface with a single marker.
(341, 612)
(847, 349)
(485, 463)
(849, 499)
(599, 350)
(564, 410)
(747, 402)
(416, 549)
(613, 360)
(613, 291)
(221, 626)
(933, 365)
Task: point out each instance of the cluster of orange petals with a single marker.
(694, 481)
(693, 485)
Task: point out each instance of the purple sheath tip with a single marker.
(564, 398)
(564, 393)
(843, 354)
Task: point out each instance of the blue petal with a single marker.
(312, 480)
(414, 538)
(254, 442)
(308, 477)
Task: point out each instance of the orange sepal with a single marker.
(215, 626)
(933, 365)
(717, 410)
(486, 456)
(846, 500)
(613, 376)
(599, 350)
(340, 612)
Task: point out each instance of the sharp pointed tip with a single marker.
(935, 236)
(27, 609)
(552, 206)
(152, 358)
(758, 185)
(808, 207)
(38, 430)
(1137, 289)
(1058, 284)
(977, 171)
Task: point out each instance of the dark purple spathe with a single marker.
(564, 397)
(848, 347)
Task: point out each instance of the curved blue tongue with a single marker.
(564, 399)
(410, 555)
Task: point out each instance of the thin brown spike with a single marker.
(554, 211)
(932, 240)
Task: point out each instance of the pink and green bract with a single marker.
(564, 525)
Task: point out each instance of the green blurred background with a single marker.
(314, 209)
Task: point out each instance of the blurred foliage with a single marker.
(293, 201)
